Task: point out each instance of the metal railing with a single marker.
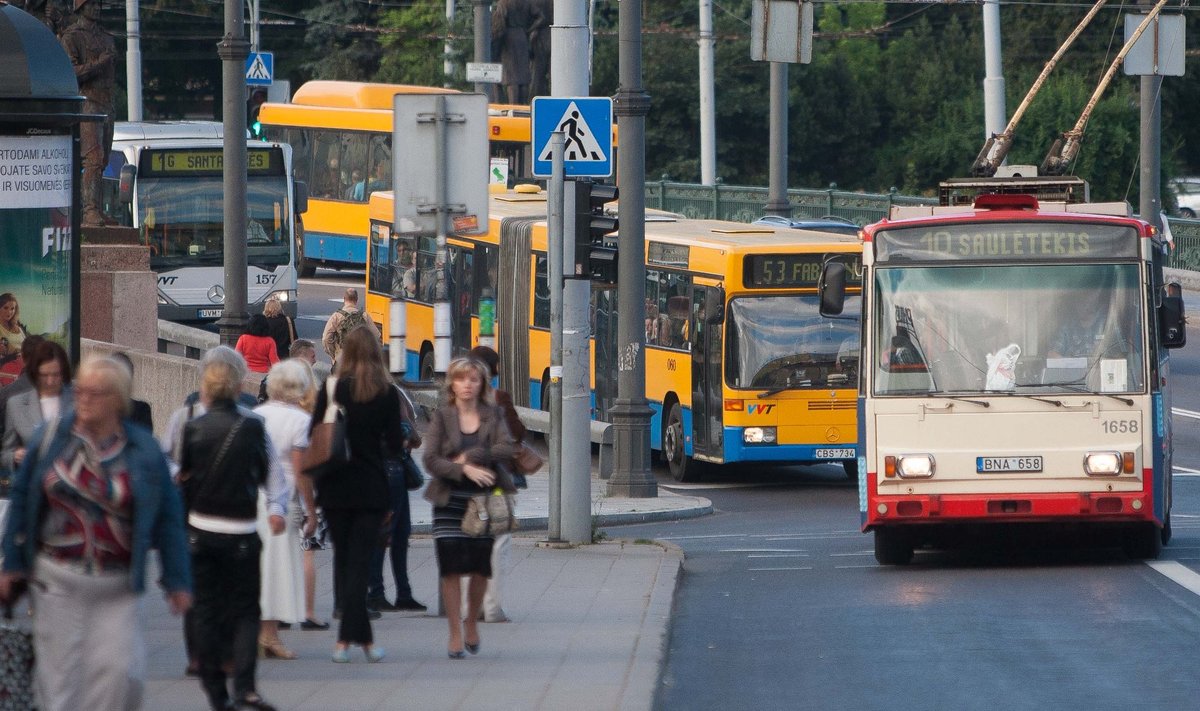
(745, 204)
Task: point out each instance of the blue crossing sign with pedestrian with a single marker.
(586, 122)
(260, 68)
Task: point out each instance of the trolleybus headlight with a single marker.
(1102, 463)
(281, 295)
(758, 435)
(915, 466)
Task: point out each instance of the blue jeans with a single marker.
(401, 529)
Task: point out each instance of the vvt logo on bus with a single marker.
(759, 409)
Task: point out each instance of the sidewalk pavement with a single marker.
(588, 628)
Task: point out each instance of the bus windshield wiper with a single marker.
(1050, 401)
(1080, 389)
(776, 391)
(981, 403)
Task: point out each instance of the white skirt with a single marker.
(282, 595)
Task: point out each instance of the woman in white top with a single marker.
(50, 372)
(290, 385)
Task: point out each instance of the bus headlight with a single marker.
(1102, 463)
(915, 466)
(758, 435)
(281, 295)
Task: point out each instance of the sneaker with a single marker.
(409, 605)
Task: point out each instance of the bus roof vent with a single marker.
(1005, 202)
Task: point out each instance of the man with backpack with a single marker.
(343, 321)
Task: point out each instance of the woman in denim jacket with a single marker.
(93, 495)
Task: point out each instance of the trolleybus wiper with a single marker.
(1080, 389)
(1056, 403)
(981, 403)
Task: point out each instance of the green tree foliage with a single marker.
(341, 40)
(413, 41)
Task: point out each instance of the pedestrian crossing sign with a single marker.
(260, 68)
(586, 122)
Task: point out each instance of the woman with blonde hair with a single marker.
(280, 327)
(355, 498)
(466, 442)
(91, 499)
(11, 327)
(289, 386)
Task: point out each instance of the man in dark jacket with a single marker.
(224, 460)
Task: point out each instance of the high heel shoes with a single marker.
(472, 648)
(274, 649)
(457, 655)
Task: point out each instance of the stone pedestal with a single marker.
(119, 297)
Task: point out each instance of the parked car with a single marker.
(1187, 195)
(823, 224)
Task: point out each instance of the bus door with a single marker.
(707, 431)
(604, 347)
(462, 299)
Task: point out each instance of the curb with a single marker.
(646, 665)
(541, 523)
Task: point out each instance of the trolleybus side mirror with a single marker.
(832, 288)
(300, 188)
(714, 305)
(1172, 324)
(125, 187)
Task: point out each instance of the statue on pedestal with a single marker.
(93, 54)
(512, 23)
(52, 13)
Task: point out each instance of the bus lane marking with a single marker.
(1177, 572)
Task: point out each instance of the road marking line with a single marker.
(1179, 573)
(844, 555)
(1186, 413)
(762, 550)
(778, 555)
(852, 567)
(1187, 473)
(759, 570)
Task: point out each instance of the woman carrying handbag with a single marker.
(467, 439)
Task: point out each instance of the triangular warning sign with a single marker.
(258, 69)
(581, 144)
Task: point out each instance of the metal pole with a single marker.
(483, 41)
(569, 37)
(447, 63)
(133, 61)
(993, 81)
(397, 336)
(777, 202)
(630, 413)
(554, 251)
(254, 37)
(441, 295)
(1150, 145)
(233, 50)
(576, 520)
(708, 102)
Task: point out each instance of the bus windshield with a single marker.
(1018, 329)
(182, 219)
(783, 343)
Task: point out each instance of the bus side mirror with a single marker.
(832, 289)
(125, 189)
(300, 188)
(714, 306)
(1172, 324)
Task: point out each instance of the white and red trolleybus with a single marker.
(1014, 370)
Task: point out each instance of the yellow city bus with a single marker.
(764, 379)
(341, 138)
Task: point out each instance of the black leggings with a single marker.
(354, 533)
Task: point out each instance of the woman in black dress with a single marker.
(467, 439)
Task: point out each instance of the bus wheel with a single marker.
(851, 467)
(892, 547)
(426, 368)
(1142, 541)
(306, 269)
(683, 467)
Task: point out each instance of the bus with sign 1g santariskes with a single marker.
(165, 180)
(1014, 371)
(740, 366)
(340, 133)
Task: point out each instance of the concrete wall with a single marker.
(118, 296)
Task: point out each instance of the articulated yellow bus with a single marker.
(765, 379)
(341, 138)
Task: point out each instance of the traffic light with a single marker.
(254, 103)
(595, 251)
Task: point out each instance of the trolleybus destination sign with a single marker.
(1008, 241)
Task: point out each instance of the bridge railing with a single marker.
(745, 204)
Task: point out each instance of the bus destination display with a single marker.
(1008, 241)
(783, 271)
(208, 161)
